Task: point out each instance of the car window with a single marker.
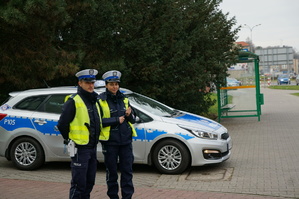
(30, 103)
(143, 117)
(53, 104)
(283, 76)
(6, 100)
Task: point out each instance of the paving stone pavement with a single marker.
(264, 164)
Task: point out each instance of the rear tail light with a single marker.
(2, 115)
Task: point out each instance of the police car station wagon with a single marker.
(171, 140)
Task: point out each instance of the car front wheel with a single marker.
(27, 154)
(171, 157)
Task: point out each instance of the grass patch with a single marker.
(213, 110)
(285, 87)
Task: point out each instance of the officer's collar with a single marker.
(86, 93)
(103, 96)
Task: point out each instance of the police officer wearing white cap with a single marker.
(80, 124)
(116, 136)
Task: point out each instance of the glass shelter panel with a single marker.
(243, 95)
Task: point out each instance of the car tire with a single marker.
(27, 154)
(171, 157)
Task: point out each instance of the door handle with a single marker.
(40, 122)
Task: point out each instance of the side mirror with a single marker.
(137, 119)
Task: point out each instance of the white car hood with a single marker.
(194, 122)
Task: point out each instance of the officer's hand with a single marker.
(128, 111)
(121, 119)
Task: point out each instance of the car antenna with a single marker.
(46, 84)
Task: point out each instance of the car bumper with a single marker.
(211, 152)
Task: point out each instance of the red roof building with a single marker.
(243, 44)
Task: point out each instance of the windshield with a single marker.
(151, 105)
(231, 79)
(283, 76)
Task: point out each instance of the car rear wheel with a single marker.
(27, 154)
(171, 157)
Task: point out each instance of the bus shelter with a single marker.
(241, 96)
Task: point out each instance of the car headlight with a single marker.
(206, 135)
(202, 134)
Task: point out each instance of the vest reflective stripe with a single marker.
(79, 132)
(134, 133)
(105, 131)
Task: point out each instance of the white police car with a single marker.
(170, 139)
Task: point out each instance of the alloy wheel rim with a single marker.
(25, 153)
(170, 157)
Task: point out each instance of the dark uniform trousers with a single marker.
(84, 166)
(124, 154)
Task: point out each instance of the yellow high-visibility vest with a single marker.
(105, 131)
(79, 132)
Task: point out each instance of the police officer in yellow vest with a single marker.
(79, 124)
(116, 136)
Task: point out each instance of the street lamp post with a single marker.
(251, 28)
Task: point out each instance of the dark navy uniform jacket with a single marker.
(120, 134)
(68, 114)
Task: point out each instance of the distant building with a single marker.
(296, 66)
(244, 45)
(276, 60)
(273, 60)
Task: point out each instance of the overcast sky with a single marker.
(279, 21)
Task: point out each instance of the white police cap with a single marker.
(88, 75)
(99, 84)
(112, 76)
